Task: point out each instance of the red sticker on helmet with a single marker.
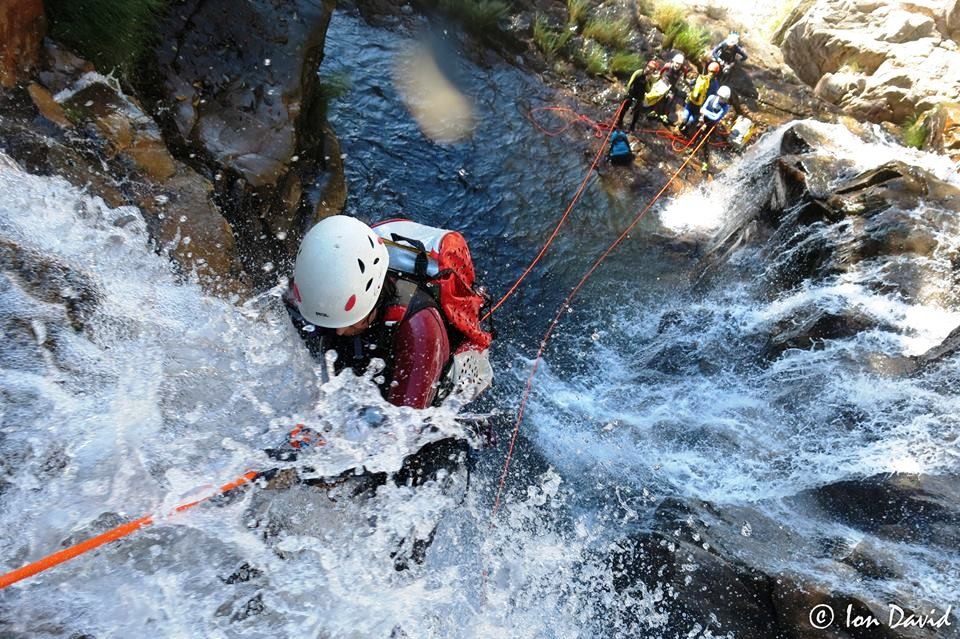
(350, 303)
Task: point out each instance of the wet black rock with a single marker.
(51, 281)
(698, 566)
(907, 508)
(823, 219)
(811, 330)
(240, 99)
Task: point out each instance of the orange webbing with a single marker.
(113, 534)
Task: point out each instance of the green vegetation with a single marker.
(114, 34)
(915, 131)
(577, 10)
(671, 34)
(549, 41)
(613, 33)
(691, 41)
(666, 15)
(593, 58)
(606, 41)
(477, 16)
(624, 62)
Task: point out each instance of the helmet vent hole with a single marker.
(362, 266)
(369, 283)
(370, 239)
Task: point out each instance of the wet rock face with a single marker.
(675, 570)
(241, 97)
(817, 226)
(908, 508)
(698, 566)
(98, 138)
(237, 86)
(881, 61)
(22, 27)
(826, 222)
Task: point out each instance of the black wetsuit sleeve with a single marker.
(312, 336)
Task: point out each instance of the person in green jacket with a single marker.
(636, 87)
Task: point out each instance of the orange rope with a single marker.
(565, 305)
(576, 198)
(113, 534)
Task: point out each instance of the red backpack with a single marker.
(439, 259)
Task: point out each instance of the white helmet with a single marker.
(678, 59)
(723, 92)
(340, 270)
(733, 39)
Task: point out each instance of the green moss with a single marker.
(549, 41)
(665, 15)
(613, 33)
(624, 62)
(477, 16)
(593, 58)
(577, 11)
(915, 131)
(692, 41)
(114, 34)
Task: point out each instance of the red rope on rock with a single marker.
(565, 305)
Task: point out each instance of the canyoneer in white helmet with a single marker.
(350, 294)
(665, 90)
(729, 52)
(716, 107)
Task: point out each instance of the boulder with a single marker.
(809, 330)
(894, 58)
(243, 98)
(906, 508)
(177, 202)
(22, 27)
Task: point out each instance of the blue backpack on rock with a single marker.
(620, 152)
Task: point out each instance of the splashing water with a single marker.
(125, 389)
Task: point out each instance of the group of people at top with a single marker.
(652, 89)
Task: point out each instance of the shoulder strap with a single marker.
(410, 299)
(413, 246)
